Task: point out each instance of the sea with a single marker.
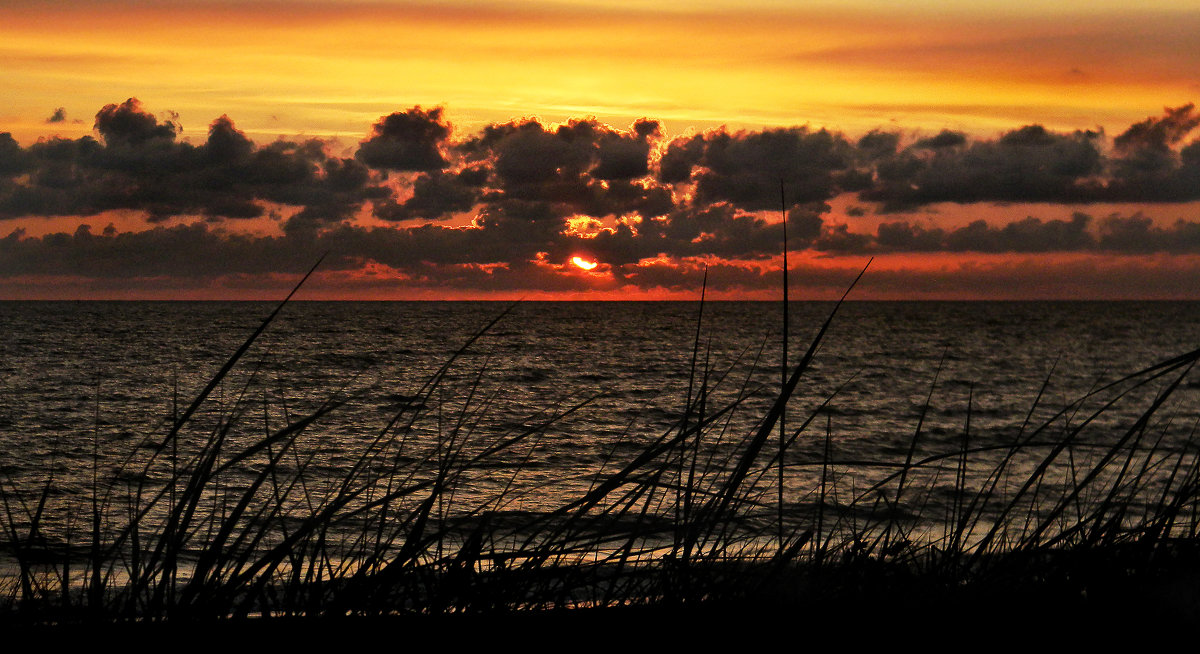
(562, 394)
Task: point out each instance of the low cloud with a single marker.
(1115, 233)
(485, 209)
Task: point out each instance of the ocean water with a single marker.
(89, 390)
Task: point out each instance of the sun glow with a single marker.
(584, 263)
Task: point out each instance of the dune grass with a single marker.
(207, 523)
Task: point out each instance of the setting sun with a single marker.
(584, 263)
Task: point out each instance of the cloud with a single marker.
(839, 239)
(622, 156)
(902, 236)
(1137, 234)
(506, 253)
(1159, 133)
(435, 196)
(526, 152)
(127, 124)
(746, 169)
(1029, 164)
(1028, 235)
(681, 157)
(878, 144)
(1147, 168)
(522, 197)
(582, 167)
(59, 116)
(409, 140)
(13, 159)
(226, 144)
(1034, 164)
(944, 139)
(139, 165)
(426, 256)
(1132, 234)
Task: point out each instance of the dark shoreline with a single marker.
(1032, 614)
(1102, 588)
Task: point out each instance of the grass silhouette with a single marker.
(206, 523)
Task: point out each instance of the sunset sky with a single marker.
(976, 149)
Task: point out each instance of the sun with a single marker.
(584, 263)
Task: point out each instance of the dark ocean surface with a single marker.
(86, 388)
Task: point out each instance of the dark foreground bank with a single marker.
(1067, 597)
(1081, 511)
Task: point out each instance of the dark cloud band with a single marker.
(504, 199)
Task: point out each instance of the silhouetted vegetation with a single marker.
(228, 521)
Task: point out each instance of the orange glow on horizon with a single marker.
(897, 277)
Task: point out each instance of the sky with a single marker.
(189, 149)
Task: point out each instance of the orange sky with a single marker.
(332, 69)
